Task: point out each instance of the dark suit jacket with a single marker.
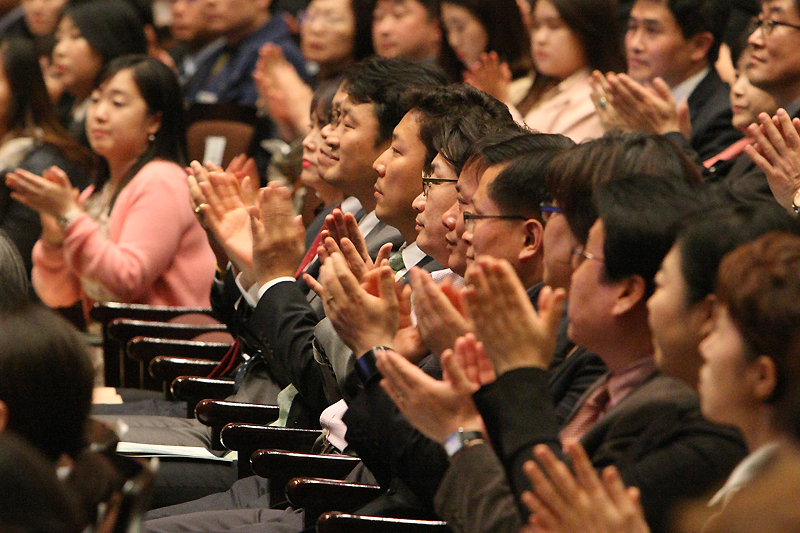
(711, 116)
(656, 437)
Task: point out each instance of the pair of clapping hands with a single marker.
(623, 103)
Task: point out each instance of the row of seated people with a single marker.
(87, 40)
(504, 176)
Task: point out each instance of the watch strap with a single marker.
(456, 440)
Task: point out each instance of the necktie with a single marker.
(396, 261)
(311, 253)
(591, 410)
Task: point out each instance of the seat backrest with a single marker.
(219, 132)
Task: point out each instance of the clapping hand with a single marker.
(512, 332)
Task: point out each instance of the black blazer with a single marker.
(656, 437)
(711, 116)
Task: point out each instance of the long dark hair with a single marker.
(30, 107)
(506, 32)
(160, 90)
(594, 22)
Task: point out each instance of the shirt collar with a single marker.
(685, 88)
(622, 383)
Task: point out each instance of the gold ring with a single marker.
(329, 299)
(602, 102)
(199, 209)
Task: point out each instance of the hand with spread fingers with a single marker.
(441, 318)
(563, 502)
(436, 408)
(514, 335)
(278, 235)
(365, 314)
(490, 75)
(777, 152)
(222, 203)
(50, 194)
(637, 107)
(342, 235)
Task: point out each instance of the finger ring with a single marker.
(401, 396)
(602, 102)
(329, 299)
(199, 209)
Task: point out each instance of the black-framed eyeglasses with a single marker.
(547, 209)
(767, 26)
(582, 255)
(470, 218)
(428, 182)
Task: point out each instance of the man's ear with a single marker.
(3, 416)
(701, 44)
(631, 292)
(765, 377)
(533, 239)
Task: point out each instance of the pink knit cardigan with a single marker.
(157, 253)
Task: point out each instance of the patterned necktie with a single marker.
(396, 261)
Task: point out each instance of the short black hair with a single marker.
(698, 16)
(384, 83)
(443, 111)
(640, 214)
(575, 174)
(501, 146)
(520, 187)
(707, 236)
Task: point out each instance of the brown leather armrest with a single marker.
(338, 522)
(317, 495)
(217, 413)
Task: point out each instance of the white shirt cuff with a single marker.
(268, 285)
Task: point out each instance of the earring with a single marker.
(151, 137)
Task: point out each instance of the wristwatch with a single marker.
(456, 440)
(796, 207)
(366, 364)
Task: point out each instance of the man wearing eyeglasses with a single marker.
(774, 64)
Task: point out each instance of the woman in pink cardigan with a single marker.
(132, 237)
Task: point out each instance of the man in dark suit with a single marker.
(774, 67)
(678, 41)
(647, 424)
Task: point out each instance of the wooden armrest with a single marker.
(316, 495)
(145, 349)
(106, 312)
(276, 463)
(166, 369)
(193, 389)
(124, 329)
(217, 413)
(247, 438)
(280, 467)
(338, 522)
